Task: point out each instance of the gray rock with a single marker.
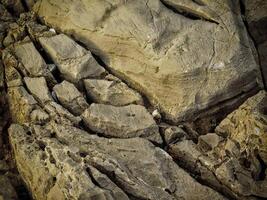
(73, 61)
(70, 97)
(173, 134)
(209, 141)
(122, 122)
(111, 92)
(182, 64)
(31, 59)
(60, 114)
(38, 88)
(76, 165)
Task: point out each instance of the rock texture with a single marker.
(184, 56)
(234, 158)
(73, 61)
(82, 166)
(113, 92)
(121, 122)
(256, 16)
(132, 100)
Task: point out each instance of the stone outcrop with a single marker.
(233, 159)
(186, 57)
(83, 166)
(132, 100)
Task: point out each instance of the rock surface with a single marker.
(70, 97)
(256, 16)
(73, 61)
(109, 99)
(99, 168)
(113, 92)
(121, 122)
(184, 65)
(237, 163)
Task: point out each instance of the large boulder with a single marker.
(185, 56)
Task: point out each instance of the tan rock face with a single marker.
(234, 158)
(183, 64)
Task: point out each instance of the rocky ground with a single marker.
(140, 100)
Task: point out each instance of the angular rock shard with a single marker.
(182, 65)
(122, 122)
(70, 97)
(73, 61)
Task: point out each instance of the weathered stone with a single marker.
(73, 61)
(173, 134)
(70, 97)
(256, 16)
(39, 116)
(111, 92)
(60, 114)
(209, 141)
(184, 65)
(31, 59)
(38, 88)
(13, 77)
(21, 104)
(121, 122)
(76, 165)
(237, 161)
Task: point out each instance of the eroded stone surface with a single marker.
(72, 154)
(39, 89)
(121, 122)
(70, 97)
(235, 164)
(73, 61)
(113, 92)
(182, 64)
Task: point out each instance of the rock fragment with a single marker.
(122, 122)
(70, 97)
(73, 61)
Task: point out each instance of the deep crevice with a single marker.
(187, 14)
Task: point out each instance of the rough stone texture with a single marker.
(39, 89)
(183, 64)
(98, 168)
(121, 122)
(31, 59)
(256, 16)
(73, 61)
(247, 126)
(70, 97)
(21, 104)
(235, 165)
(113, 92)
